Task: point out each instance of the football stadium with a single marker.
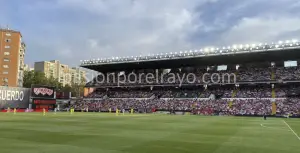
(240, 98)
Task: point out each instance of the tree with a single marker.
(78, 87)
(32, 77)
(51, 81)
(39, 78)
(28, 79)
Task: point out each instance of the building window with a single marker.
(8, 34)
(5, 66)
(7, 47)
(6, 60)
(6, 53)
(5, 79)
(5, 72)
(8, 40)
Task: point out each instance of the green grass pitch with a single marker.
(107, 133)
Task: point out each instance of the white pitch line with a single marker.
(262, 125)
(291, 129)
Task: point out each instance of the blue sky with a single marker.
(71, 30)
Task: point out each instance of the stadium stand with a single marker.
(253, 82)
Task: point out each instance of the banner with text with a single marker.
(14, 97)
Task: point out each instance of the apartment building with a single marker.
(62, 72)
(12, 53)
(28, 68)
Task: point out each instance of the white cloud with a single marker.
(140, 27)
(70, 30)
(133, 28)
(261, 29)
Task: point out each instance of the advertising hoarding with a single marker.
(38, 91)
(14, 97)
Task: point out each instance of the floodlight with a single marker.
(191, 51)
(206, 49)
(247, 45)
(253, 45)
(224, 47)
(241, 46)
(212, 49)
(280, 42)
(234, 47)
(228, 47)
(287, 41)
(294, 40)
(276, 46)
(260, 44)
(185, 51)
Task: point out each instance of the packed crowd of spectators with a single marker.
(245, 74)
(259, 92)
(250, 100)
(254, 93)
(291, 105)
(179, 93)
(207, 107)
(252, 107)
(287, 73)
(254, 74)
(129, 94)
(96, 94)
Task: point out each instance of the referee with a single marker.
(265, 116)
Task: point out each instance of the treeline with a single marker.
(39, 78)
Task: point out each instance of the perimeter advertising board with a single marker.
(14, 97)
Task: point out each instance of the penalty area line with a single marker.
(291, 129)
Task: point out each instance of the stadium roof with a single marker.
(289, 50)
